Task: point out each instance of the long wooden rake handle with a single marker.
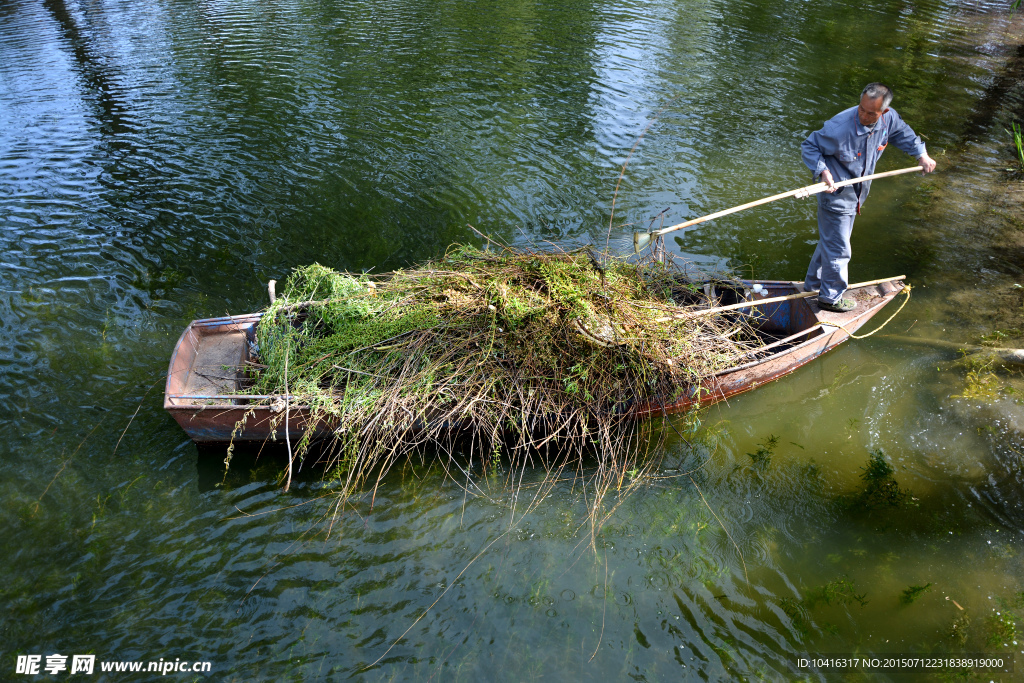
(801, 192)
(771, 300)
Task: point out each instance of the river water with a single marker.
(160, 161)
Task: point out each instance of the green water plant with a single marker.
(1002, 628)
(543, 355)
(841, 374)
(841, 591)
(959, 630)
(798, 615)
(980, 383)
(912, 593)
(1018, 138)
(1003, 623)
(765, 449)
(880, 487)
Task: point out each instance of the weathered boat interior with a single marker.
(211, 361)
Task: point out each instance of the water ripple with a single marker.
(160, 162)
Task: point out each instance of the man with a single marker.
(848, 146)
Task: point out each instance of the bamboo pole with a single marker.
(642, 239)
(772, 300)
(801, 192)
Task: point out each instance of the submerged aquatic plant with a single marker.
(1002, 622)
(980, 384)
(959, 630)
(798, 615)
(840, 592)
(1002, 628)
(765, 449)
(912, 593)
(880, 487)
(547, 356)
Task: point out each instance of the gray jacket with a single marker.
(849, 150)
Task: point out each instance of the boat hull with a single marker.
(207, 367)
(827, 331)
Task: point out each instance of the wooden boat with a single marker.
(207, 366)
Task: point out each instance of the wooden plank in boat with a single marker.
(216, 366)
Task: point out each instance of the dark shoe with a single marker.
(840, 305)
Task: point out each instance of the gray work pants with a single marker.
(829, 265)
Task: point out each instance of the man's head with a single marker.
(874, 101)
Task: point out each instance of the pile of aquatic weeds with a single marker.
(541, 357)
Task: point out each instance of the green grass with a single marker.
(1018, 138)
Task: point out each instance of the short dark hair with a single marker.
(876, 90)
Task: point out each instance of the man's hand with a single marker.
(826, 177)
(927, 162)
